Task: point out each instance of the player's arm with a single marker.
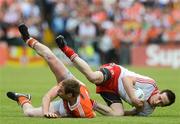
(129, 83)
(48, 97)
(96, 77)
(133, 112)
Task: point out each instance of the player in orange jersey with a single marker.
(75, 100)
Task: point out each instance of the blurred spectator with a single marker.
(16, 12)
(109, 28)
(87, 31)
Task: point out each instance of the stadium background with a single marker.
(139, 34)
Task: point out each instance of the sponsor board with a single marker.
(156, 55)
(3, 53)
(23, 56)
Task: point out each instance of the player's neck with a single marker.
(151, 101)
(72, 101)
(153, 94)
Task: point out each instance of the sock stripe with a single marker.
(22, 100)
(31, 42)
(73, 56)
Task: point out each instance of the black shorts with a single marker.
(110, 98)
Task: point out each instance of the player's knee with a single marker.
(92, 80)
(49, 56)
(46, 53)
(120, 113)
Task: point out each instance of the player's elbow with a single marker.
(91, 79)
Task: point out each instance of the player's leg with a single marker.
(31, 111)
(56, 66)
(96, 77)
(24, 100)
(115, 106)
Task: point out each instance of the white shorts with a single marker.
(58, 107)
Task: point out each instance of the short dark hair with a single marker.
(71, 86)
(171, 96)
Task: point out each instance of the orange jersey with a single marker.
(83, 108)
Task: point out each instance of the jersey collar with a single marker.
(75, 105)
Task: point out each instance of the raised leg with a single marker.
(56, 66)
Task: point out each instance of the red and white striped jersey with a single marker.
(115, 85)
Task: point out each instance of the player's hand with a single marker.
(137, 102)
(60, 41)
(24, 31)
(50, 115)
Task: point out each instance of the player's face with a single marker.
(61, 92)
(160, 99)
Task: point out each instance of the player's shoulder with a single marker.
(108, 64)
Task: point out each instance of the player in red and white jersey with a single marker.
(115, 86)
(75, 100)
(114, 82)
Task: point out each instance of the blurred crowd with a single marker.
(100, 31)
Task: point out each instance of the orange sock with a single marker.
(22, 100)
(31, 42)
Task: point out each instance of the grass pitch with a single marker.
(37, 81)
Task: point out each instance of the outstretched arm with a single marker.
(48, 97)
(96, 77)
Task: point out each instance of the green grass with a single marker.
(38, 81)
